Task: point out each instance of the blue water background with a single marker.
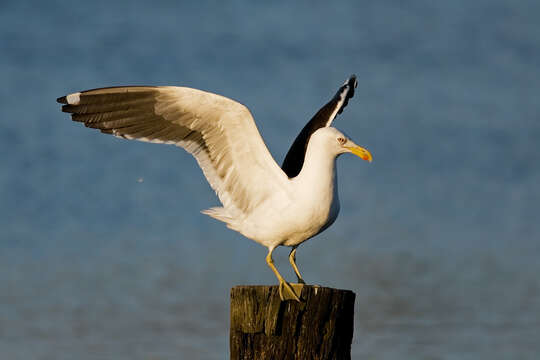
(103, 251)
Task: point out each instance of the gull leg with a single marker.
(286, 292)
(292, 260)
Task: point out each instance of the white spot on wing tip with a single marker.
(74, 99)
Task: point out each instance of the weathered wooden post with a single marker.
(263, 327)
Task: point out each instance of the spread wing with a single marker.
(294, 160)
(219, 132)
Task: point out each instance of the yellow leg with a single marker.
(286, 292)
(292, 260)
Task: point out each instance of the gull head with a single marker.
(335, 141)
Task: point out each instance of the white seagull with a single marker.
(271, 205)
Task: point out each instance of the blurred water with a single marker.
(103, 254)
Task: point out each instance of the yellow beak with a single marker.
(360, 152)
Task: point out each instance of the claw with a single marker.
(290, 291)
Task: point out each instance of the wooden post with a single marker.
(264, 327)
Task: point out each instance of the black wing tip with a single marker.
(352, 82)
(62, 100)
(67, 108)
(348, 87)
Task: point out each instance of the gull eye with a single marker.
(341, 140)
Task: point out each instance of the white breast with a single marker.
(313, 206)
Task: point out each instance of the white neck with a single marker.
(319, 170)
(316, 187)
